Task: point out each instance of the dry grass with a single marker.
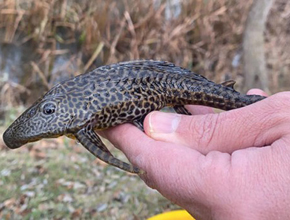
(206, 37)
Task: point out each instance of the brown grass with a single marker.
(205, 37)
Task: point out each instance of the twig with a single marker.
(131, 28)
(40, 73)
(94, 56)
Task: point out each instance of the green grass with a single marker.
(57, 179)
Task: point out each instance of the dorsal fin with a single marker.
(229, 83)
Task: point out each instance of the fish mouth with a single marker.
(11, 141)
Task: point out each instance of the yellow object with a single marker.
(173, 215)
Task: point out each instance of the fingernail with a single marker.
(160, 122)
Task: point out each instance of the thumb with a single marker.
(256, 125)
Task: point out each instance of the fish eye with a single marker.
(49, 108)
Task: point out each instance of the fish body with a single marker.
(116, 94)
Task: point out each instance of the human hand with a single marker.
(230, 165)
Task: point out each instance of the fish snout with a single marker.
(11, 141)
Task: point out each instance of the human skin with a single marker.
(228, 165)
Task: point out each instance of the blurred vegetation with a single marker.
(65, 38)
(57, 179)
(45, 41)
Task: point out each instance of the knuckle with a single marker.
(280, 102)
(204, 131)
(276, 109)
(215, 169)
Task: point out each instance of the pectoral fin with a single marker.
(180, 109)
(92, 142)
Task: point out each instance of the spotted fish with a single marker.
(116, 94)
